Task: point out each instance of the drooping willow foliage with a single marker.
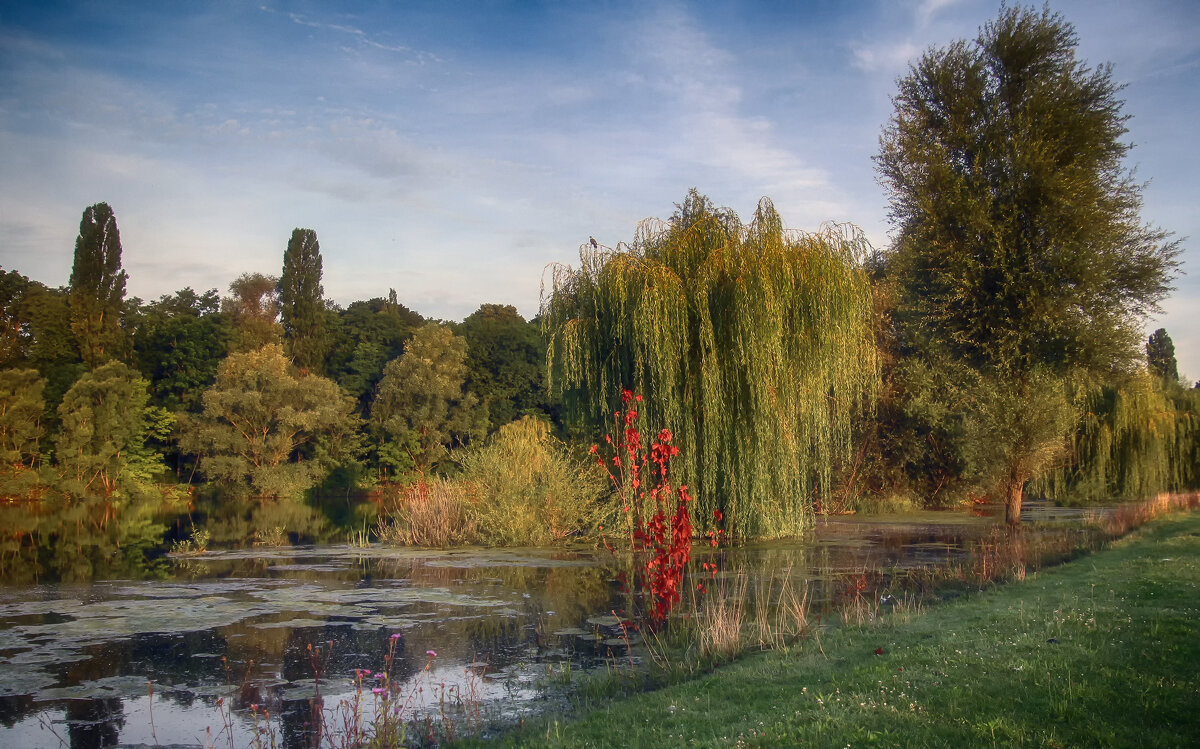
(1134, 441)
(754, 345)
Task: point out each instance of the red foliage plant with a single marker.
(659, 522)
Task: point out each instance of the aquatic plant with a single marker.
(656, 511)
(430, 513)
(195, 543)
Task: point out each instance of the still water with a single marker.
(264, 637)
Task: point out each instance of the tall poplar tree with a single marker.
(1021, 254)
(97, 286)
(301, 301)
(1160, 355)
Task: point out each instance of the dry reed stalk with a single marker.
(780, 619)
(430, 514)
(721, 619)
(1131, 515)
(793, 609)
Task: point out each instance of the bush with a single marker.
(529, 489)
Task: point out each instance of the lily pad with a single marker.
(25, 681)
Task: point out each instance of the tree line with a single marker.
(993, 350)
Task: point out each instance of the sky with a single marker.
(454, 150)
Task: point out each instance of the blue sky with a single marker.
(451, 150)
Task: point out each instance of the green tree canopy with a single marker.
(1139, 436)
(506, 362)
(1160, 355)
(1020, 250)
(1020, 241)
(252, 309)
(178, 343)
(366, 336)
(268, 426)
(21, 411)
(104, 427)
(14, 333)
(422, 408)
(301, 301)
(753, 344)
(97, 286)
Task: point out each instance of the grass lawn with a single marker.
(1102, 651)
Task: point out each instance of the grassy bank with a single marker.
(1103, 651)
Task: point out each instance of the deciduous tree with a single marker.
(422, 408)
(21, 408)
(270, 427)
(252, 308)
(367, 335)
(753, 344)
(181, 340)
(506, 362)
(1020, 250)
(104, 427)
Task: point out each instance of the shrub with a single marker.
(529, 489)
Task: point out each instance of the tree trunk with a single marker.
(1012, 501)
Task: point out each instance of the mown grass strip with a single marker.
(1102, 651)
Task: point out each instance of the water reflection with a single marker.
(231, 635)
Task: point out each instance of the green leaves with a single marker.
(506, 362)
(422, 408)
(21, 408)
(1160, 355)
(97, 286)
(268, 427)
(1021, 260)
(752, 344)
(301, 301)
(1020, 243)
(104, 424)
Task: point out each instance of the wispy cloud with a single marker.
(454, 154)
(884, 57)
(362, 37)
(708, 121)
(928, 9)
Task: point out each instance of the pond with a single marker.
(267, 638)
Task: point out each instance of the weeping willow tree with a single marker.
(1135, 440)
(754, 345)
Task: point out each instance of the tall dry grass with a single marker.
(733, 615)
(1131, 515)
(430, 513)
(721, 619)
(780, 612)
(1010, 554)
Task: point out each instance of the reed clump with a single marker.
(1131, 515)
(430, 513)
